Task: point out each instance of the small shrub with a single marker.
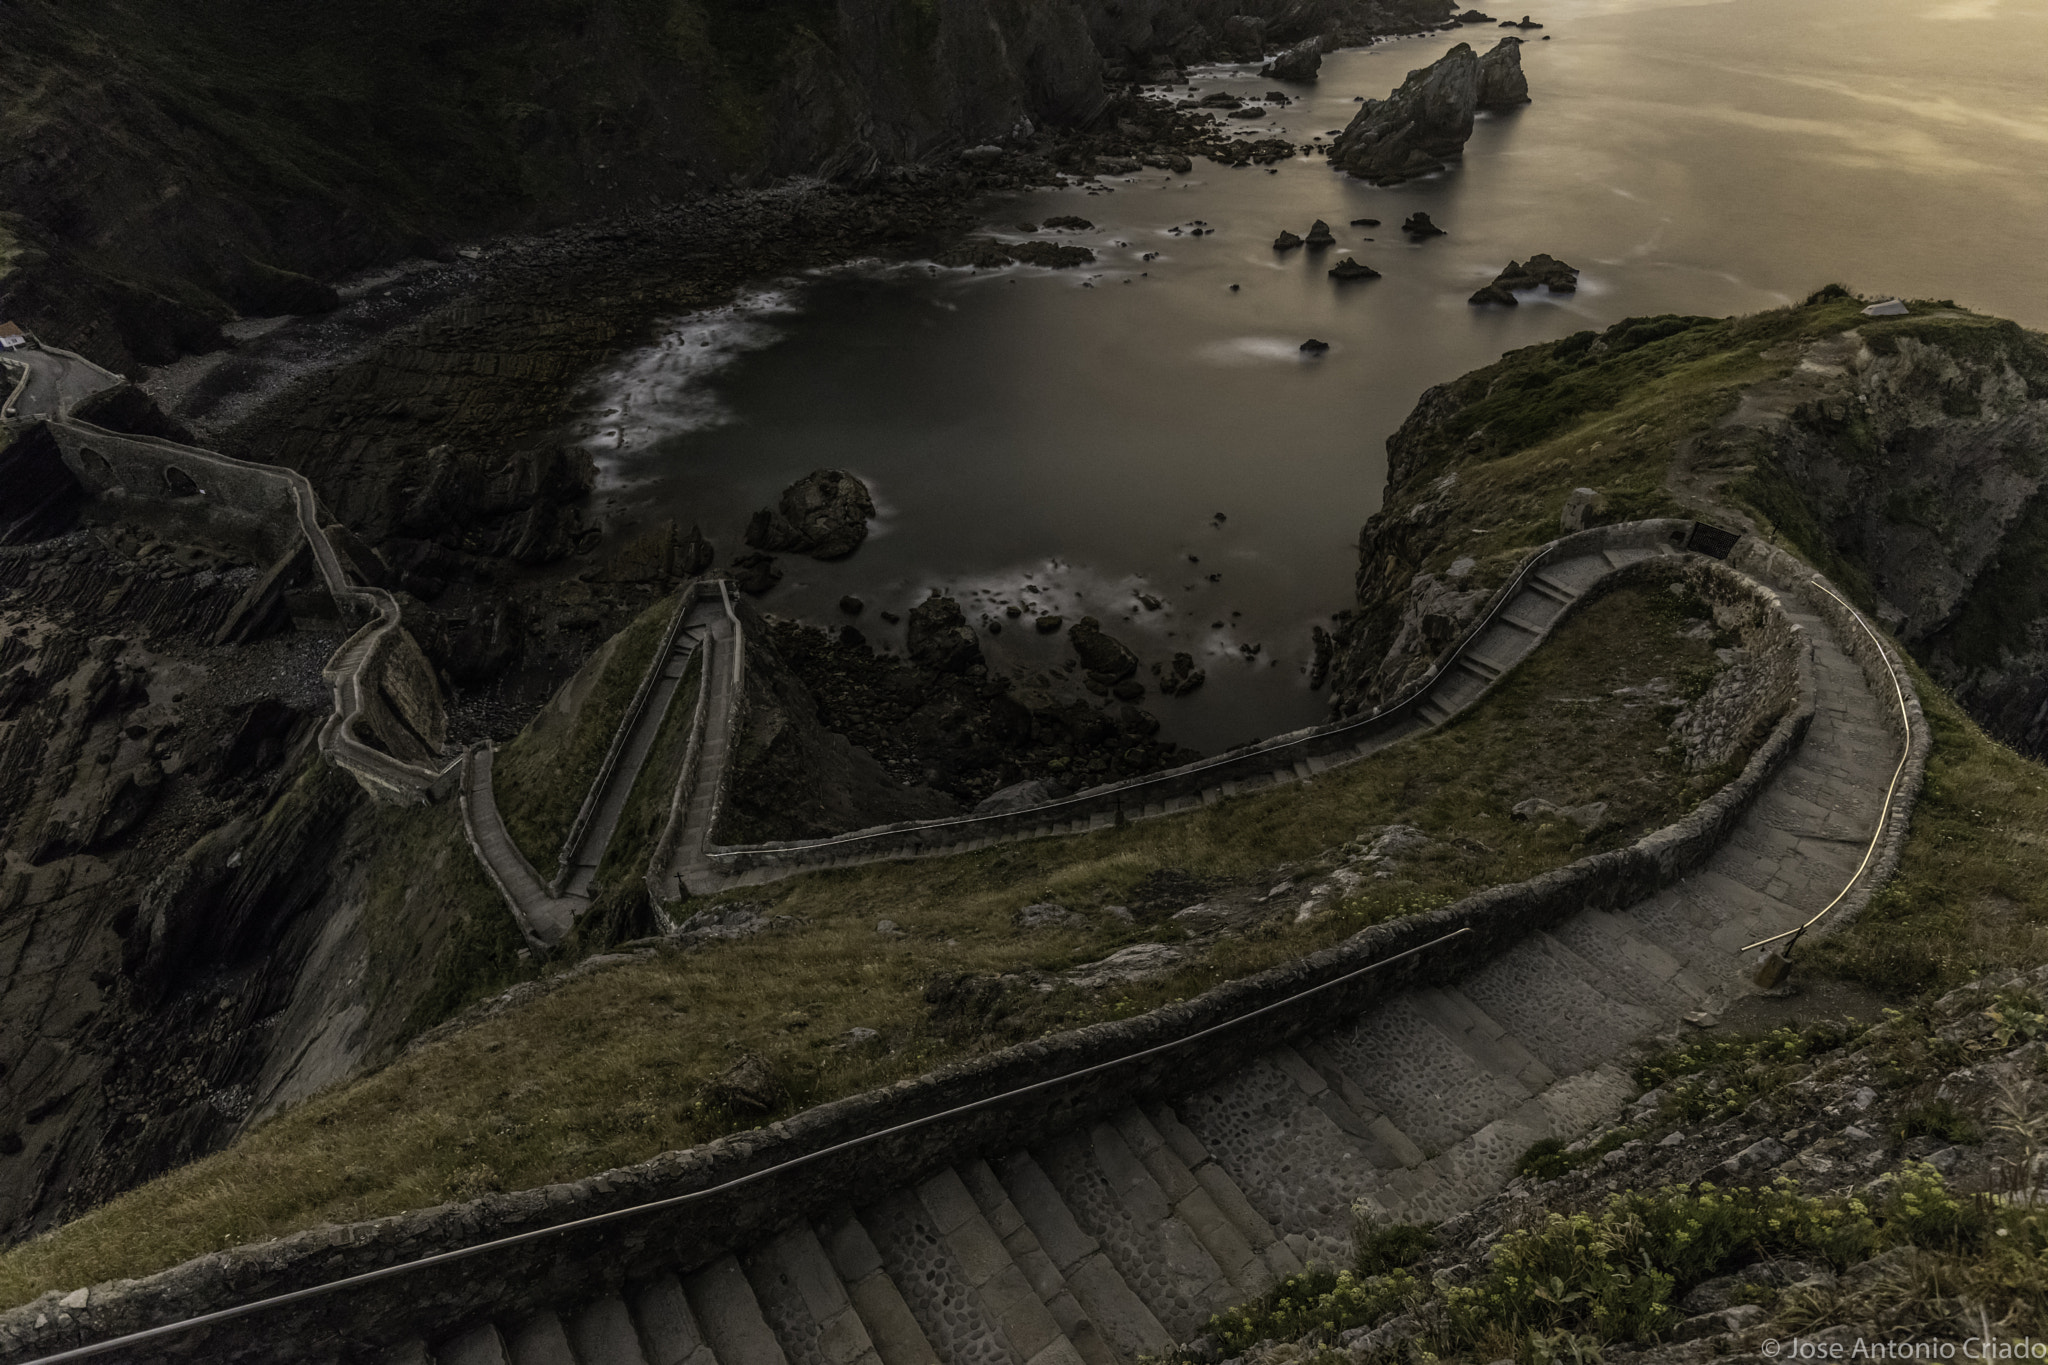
(1388, 1246)
(1919, 1209)
(1938, 1118)
(1318, 1301)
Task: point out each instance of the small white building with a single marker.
(11, 336)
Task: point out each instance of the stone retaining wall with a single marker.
(805, 1165)
(379, 676)
(1885, 668)
(1275, 760)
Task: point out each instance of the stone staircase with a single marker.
(1112, 1241)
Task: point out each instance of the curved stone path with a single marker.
(1114, 1240)
(57, 380)
(547, 911)
(1519, 619)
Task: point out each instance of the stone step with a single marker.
(1006, 1293)
(1485, 1038)
(1426, 1083)
(1300, 1170)
(1633, 965)
(939, 1290)
(725, 1308)
(669, 1334)
(1031, 1257)
(540, 1340)
(1260, 1235)
(1121, 1317)
(1118, 1203)
(890, 1324)
(1192, 1203)
(603, 1334)
(483, 1345)
(805, 1303)
(1542, 996)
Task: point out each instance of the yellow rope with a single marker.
(1884, 815)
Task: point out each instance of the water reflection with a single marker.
(1067, 438)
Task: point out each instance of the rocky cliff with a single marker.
(165, 169)
(1908, 455)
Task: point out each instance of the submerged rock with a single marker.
(824, 515)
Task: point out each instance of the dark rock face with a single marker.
(1350, 269)
(1302, 62)
(1104, 656)
(983, 253)
(1541, 272)
(755, 573)
(1427, 122)
(1416, 129)
(939, 637)
(1501, 82)
(1286, 241)
(1418, 225)
(824, 515)
(1319, 235)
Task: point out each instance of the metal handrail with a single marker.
(164, 1330)
(1884, 815)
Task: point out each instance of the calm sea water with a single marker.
(1066, 440)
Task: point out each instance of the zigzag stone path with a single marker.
(1114, 1240)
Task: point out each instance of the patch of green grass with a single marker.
(1547, 1158)
(1615, 1273)
(1382, 1247)
(441, 937)
(609, 1069)
(541, 778)
(1938, 1118)
(1969, 892)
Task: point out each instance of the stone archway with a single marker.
(179, 483)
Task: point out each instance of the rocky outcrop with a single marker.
(1427, 122)
(1541, 272)
(1501, 82)
(1302, 62)
(939, 637)
(824, 515)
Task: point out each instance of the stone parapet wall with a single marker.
(378, 676)
(744, 1187)
(1277, 760)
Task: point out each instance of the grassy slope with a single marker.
(605, 1070)
(542, 776)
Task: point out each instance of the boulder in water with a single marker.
(1319, 234)
(1302, 62)
(1104, 656)
(1310, 347)
(1418, 225)
(823, 515)
(1352, 269)
(1414, 130)
(1541, 272)
(1286, 241)
(1501, 82)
